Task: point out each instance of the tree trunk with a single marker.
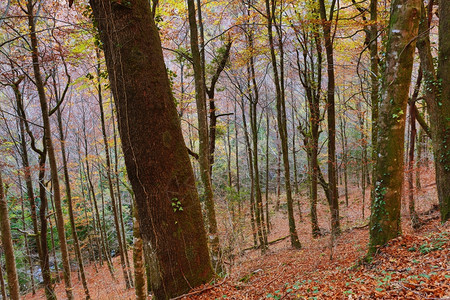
(281, 118)
(440, 115)
(437, 96)
(385, 223)
(204, 155)
(7, 245)
(120, 241)
(48, 144)
(155, 155)
(76, 243)
(331, 116)
(374, 88)
(103, 236)
(253, 224)
(410, 172)
(138, 259)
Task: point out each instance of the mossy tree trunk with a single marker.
(385, 222)
(437, 97)
(155, 155)
(441, 114)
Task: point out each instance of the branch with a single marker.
(422, 122)
(192, 153)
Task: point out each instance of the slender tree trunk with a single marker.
(204, 154)
(410, 172)
(26, 165)
(156, 157)
(254, 226)
(267, 171)
(122, 246)
(281, 119)
(25, 237)
(90, 246)
(7, 245)
(76, 243)
(50, 150)
(331, 116)
(100, 229)
(374, 89)
(2, 284)
(254, 99)
(277, 203)
(119, 196)
(344, 156)
(52, 237)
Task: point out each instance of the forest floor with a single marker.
(414, 266)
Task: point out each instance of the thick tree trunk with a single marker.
(7, 245)
(385, 222)
(155, 155)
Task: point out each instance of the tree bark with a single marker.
(155, 155)
(385, 223)
(138, 259)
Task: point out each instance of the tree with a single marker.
(7, 244)
(441, 115)
(48, 146)
(155, 155)
(281, 113)
(331, 115)
(437, 97)
(385, 222)
(204, 153)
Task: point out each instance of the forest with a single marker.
(241, 149)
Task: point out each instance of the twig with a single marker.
(199, 291)
(270, 243)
